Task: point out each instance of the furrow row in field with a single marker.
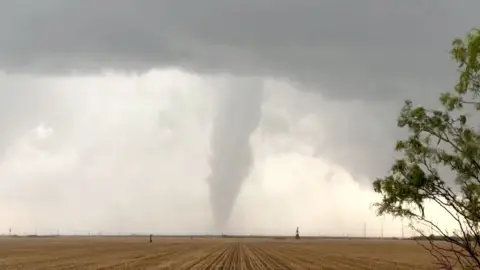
(271, 259)
(206, 258)
(241, 258)
(306, 258)
(337, 260)
(151, 259)
(47, 261)
(214, 264)
(293, 261)
(209, 254)
(251, 259)
(326, 260)
(187, 260)
(232, 261)
(264, 260)
(55, 256)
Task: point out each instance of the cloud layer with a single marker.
(364, 50)
(129, 153)
(129, 149)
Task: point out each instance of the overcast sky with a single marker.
(107, 108)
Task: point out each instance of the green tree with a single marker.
(440, 141)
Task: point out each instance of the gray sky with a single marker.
(354, 47)
(335, 74)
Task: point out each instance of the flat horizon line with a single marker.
(97, 235)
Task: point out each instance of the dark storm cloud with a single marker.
(369, 48)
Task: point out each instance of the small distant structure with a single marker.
(151, 238)
(297, 234)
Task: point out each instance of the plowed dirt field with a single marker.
(202, 253)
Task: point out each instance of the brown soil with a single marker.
(204, 253)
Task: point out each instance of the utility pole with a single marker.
(381, 231)
(403, 235)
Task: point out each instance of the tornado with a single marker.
(231, 158)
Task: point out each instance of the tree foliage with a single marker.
(446, 139)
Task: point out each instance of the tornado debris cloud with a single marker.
(237, 118)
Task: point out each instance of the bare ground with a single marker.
(204, 253)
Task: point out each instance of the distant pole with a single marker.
(403, 235)
(364, 229)
(381, 230)
(10, 232)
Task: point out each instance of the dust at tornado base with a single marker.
(209, 253)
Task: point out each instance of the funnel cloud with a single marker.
(237, 118)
